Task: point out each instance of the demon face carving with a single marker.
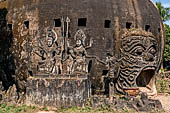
(138, 63)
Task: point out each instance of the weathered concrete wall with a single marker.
(41, 14)
(62, 91)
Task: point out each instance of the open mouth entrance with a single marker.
(144, 77)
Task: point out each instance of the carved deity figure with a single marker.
(69, 61)
(78, 54)
(50, 54)
(112, 64)
(113, 67)
(138, 63)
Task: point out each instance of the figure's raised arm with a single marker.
(90, 45)
(56, 36)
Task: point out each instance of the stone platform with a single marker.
(58, 91)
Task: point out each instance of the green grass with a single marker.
(16, 109)
(163, 85)
(28, 109)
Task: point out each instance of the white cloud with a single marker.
(167, 22)
(166, 5)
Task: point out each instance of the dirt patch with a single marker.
(165, 100)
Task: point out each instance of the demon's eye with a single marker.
(152, 50)
(138, 51)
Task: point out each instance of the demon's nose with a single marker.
(148, 57)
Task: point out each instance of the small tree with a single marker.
(164, 12)
(167, 46)
(165, 15)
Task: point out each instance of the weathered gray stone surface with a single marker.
(11, 96)
(139, 103)
(61, 91)
(31, 21)
(119, 43)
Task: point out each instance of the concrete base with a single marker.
(58, 91)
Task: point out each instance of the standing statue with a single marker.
(112, 65)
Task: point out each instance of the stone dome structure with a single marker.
(113, 41)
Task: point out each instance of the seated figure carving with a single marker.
(50, 54)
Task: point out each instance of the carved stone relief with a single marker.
(138, 63)
(77, 54)
(50, 53)
(55, 55)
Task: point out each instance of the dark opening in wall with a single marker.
(30, 73)
(57, 22)
(27, 24)
(128, 25)
(90, 66)
(106, 85)
(82, 22)
(10, 26)
(147, 27)
(159, 30)
(105, 72)
(107, 24)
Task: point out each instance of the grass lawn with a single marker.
(28, 109)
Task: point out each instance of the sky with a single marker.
(165, 3)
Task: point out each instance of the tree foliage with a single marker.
(167, 45)
(165, 15)
(164, 12)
